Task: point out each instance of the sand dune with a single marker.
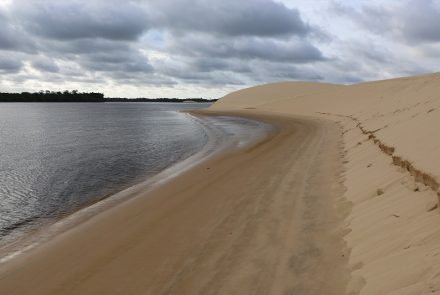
(392, 109)
(392, 172)
(316, 208)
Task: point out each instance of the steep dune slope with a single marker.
(391, 175)
(402, 114)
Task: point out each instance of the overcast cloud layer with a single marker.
(177, 48)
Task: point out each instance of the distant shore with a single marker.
(90, 97)
(170, 100)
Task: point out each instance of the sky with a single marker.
(208, 48)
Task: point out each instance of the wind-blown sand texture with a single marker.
(342, 198)
(392, 172)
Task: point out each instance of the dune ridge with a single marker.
(387, 108)
(391, 174)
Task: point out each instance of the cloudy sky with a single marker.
(207, 48)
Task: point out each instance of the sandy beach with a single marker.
(340, 199)
(254, 220)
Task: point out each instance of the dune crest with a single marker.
(391, 146)
(389, 109)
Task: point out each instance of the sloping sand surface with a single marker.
(391, 172)
(276, 218)
(260, 220)
(402, 113)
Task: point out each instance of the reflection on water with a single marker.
(56, 158)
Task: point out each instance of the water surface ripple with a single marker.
(57, 158)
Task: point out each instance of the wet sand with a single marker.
(257, 220)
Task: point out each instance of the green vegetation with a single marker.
(75, 96)
(52, 96)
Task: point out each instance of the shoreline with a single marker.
(197, 219)
(68, 220)
(342, 199)
(214, 145)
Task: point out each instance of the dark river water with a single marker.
(57, 158)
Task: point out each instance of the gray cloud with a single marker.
(421, 22)
(179, 43)
(99, 55)
(264, 72)
(207, 64)
(290, 50)
(205, 71)
(412, 21)
(72, 48)
(376, 19)
(45, 64)
(64, 20)
(229, 17)
(11, 35)
(209, 41)
(129, 62)
(10, 64)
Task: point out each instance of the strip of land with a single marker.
(259, 220)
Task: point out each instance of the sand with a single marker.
(258, 220)
(391, 173)
(341, 199)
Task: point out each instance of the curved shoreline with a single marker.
(44, 233)
(233, 222)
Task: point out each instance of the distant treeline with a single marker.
(52, 96)
(161, 99)
(75, 96)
